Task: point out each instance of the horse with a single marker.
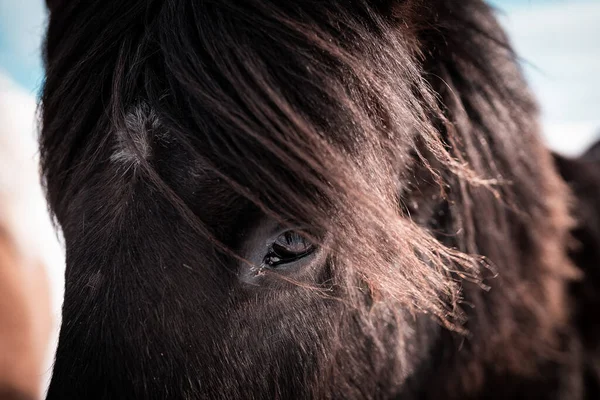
(343, 199)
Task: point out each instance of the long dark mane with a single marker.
(399, 136)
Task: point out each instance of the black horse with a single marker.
(342, 199)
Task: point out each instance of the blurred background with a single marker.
(557, 40)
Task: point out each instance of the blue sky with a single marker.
(22, 25)
(559, 40)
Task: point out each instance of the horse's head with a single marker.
(284, 199)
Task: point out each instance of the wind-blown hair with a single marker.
(399, 136)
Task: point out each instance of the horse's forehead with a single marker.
(134, 138)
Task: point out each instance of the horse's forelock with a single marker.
(324, 139)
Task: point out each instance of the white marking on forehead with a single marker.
(134, 142)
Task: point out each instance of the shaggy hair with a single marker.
(398, 136)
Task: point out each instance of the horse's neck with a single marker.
(583, 176)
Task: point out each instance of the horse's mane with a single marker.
(403, 129)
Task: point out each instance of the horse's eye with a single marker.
(290, 246)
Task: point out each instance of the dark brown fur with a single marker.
(399, 135)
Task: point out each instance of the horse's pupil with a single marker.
(288, 247)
